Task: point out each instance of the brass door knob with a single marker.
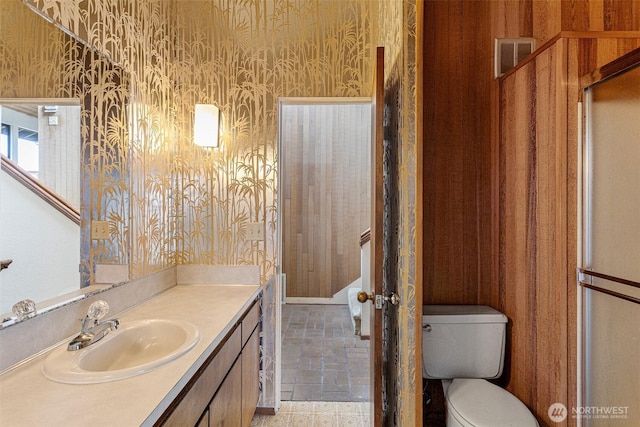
(393, 298)
(364, 297)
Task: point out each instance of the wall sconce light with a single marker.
(206, 128)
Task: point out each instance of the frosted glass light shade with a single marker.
(206, 128)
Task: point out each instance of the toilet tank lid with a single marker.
(461, 314)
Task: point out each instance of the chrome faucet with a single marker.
(92, 330)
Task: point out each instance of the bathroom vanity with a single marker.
(216, 382)
(232, 372)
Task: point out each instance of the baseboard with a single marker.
(365, 337)
(318, 301)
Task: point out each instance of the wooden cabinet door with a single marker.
(250, 377)
(204, 421)
(225, 409)
(188, 409)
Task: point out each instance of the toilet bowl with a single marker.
(463, 345)
(477, 402)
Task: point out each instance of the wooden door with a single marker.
(395, 377)
(376, 245)
(377, 141)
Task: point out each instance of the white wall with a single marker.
(43, 244)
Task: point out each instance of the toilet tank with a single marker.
(462, 341)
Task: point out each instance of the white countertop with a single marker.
(28, 398)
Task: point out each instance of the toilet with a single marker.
(464, 345)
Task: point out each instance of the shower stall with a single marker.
(609, 277)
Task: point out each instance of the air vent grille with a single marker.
(509, 52)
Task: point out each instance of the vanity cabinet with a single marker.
(235, 402)
(225, 389)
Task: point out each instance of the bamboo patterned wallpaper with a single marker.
(169, 202)
(40, 61)
(242, 56)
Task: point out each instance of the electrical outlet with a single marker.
(255, 231)
(99, 230)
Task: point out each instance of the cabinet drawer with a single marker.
(250, 321)
(192, 404)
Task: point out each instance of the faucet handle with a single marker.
(98, 310)
(24, 309)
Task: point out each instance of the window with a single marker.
(28, 152)
(5, 137)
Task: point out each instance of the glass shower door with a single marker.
(610, 277)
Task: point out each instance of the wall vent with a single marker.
(508, 52)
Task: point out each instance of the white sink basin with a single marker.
(134, 348)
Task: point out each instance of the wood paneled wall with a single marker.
(460, 161)
(543, 20)
(533, 229)
(457, 151)
(462, 200)
(60, 153)
(326, 195)
(538, 163)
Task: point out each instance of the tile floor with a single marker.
(322, 360)
(316, 414)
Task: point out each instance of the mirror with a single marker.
(40, 198)
(49, 65)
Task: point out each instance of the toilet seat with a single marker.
(478, 403)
